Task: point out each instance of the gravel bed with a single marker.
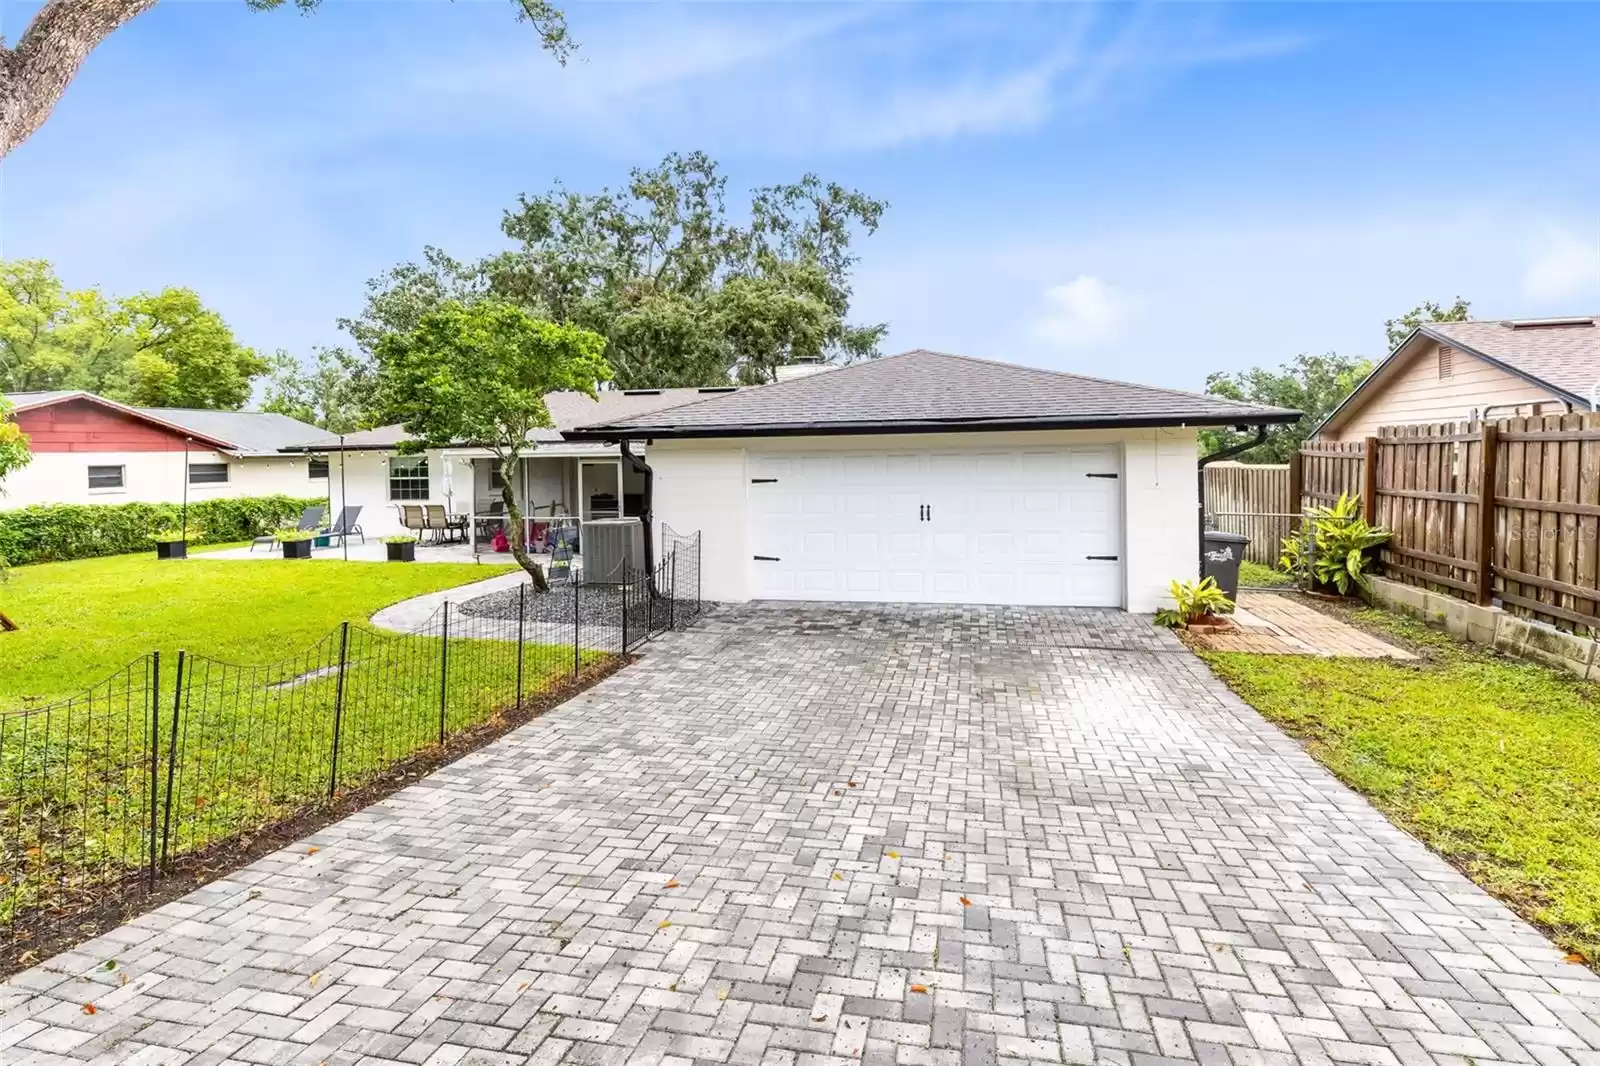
(598, 605)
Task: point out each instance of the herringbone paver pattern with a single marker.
(834, 836)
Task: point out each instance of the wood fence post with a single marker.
(1296, 490)
(1486, 480)
(1369, 481)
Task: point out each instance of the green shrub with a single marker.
(1194, 601)
(60, 531)
(1337, 552)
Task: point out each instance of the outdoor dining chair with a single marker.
(310, 519)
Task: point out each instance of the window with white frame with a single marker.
(208, 473)
(408, 478)
(106, 477)
(317, 468)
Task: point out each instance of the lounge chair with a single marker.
(346, 526)
(310, 519)
(411, 518)
(443, 526)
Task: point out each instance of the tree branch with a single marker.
(35, 73)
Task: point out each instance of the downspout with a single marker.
(639, 466)
(1207, 460)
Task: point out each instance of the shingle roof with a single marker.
(934, 391)
(1562, 353)
(567, 409)
(250, 432)
(34, 399)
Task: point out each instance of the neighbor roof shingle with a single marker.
(937, 391)
(1564, 353)
(250, 432)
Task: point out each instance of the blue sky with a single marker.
(1146, 192)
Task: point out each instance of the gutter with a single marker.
(1200, 475)
(835, 429)
(639, 466)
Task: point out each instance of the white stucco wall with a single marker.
(704, 485)
(152, 477)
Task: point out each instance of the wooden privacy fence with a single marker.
(1506, 511)
(1252, 500)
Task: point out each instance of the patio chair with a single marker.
(346, 526)
(310, 519)
(411, 518)
(444, 527)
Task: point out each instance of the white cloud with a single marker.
(1082, 313)
(1564, 269)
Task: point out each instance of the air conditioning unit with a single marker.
(613, 549)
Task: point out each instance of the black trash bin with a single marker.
(1223, 553)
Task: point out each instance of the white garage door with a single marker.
(1035, 526)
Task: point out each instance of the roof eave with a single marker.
(834, 429)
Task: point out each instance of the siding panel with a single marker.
(1416, 393)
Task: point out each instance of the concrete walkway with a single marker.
(832, 835)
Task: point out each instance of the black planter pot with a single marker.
(405, 552)
(297, 549)
(172, 549)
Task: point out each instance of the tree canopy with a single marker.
(480, 373)
(1400, 328)
(36, 72)
(683, 292)
(1312, 384)
(165, 349)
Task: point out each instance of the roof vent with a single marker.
(1551, 323)
(641, 392)
(719, 388)
(801, 368)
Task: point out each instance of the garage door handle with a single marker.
(1113, 477)
(1102, 558)
(763, 481)
(765, 558)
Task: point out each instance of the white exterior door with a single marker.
(1029, 526)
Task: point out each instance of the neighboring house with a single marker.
(88, 449)
(557, 476)
(1459, 371)
(926, 477)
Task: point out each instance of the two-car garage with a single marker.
(1031, 525)
(934, 478)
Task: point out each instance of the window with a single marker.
(105, 477)
(1447, 362)
(318, 468)
(496, 482)
(208, 473)
(408, 479)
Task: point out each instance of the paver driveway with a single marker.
(794, 834)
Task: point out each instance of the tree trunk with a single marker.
(7, 625)
(35, 73)
(519, 532)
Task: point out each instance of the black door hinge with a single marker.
(1102, 558)
(765, 558)
(1113, 477)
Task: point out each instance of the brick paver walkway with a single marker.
(817, 836)
(1275, 624)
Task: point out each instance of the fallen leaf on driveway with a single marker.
(1573, 956)
(965, 902)
(664, 923)
(312, 850)
(90, 1008)
(672, 884)
(837, 876)
(919, 988)
(893, 854)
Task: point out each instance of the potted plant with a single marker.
(1334, 551)
(172, 543)
(402, 547)
(296, 542)
(1197, 605)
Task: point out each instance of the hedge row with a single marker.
(58, 531)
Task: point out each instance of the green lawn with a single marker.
(82, 620)
(1255, 575)
(250, 738)
(1492, 762)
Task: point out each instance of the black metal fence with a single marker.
(173, 762)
